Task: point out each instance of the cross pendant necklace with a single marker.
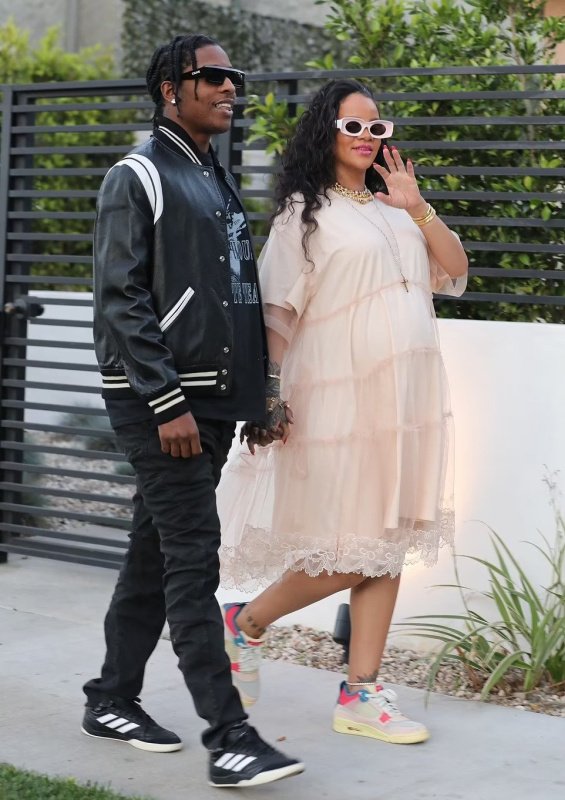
(394, 250)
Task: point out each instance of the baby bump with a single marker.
(394, 323)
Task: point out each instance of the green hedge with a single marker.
(20, 63)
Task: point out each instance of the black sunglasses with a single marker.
(216, 75)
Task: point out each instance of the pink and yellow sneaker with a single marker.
(371, 711)
(244, 654)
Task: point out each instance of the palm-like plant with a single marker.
(524, 647)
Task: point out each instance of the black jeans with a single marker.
(171, 570)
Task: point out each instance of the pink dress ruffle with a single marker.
(364, 483)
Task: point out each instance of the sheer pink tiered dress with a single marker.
(364, 483)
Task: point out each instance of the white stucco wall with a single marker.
(508, 393)
(38, 329)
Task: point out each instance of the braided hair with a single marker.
(308, 163)
(168, 63)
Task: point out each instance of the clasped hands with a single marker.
(275, 427)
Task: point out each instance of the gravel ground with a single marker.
(88, 486)
(297, 644)
(301, 645)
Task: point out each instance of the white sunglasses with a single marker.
(378, 128)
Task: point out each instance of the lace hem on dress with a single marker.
(261, 556)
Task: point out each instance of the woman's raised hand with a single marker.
(403, 191)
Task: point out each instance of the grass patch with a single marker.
(17, 784)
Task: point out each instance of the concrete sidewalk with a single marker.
(51, 642)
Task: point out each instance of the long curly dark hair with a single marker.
(308, 163)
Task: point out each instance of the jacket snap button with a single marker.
(225, 303)
(224, 372)
(223, 387)
(226, 349)
(222, 258)
(206, 173)
(218, 213)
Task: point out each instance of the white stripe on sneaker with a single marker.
(222, 759)
(233, 761)
(107, 718)
(244, 763)
(127, 728)
(116, 723)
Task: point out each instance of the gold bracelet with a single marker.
(428, 217)
(418, 219)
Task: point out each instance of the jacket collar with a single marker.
(175, 137)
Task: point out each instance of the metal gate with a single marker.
(64, 489)
(63, 492)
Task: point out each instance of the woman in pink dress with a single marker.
(357, 478)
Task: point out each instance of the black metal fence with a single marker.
(64, 488)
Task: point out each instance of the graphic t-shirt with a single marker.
(247, 398)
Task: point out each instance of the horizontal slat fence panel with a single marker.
(64, 487)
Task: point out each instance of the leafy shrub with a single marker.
(525, 646)
(273, 122)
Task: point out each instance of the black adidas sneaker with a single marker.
(126, 721)
(246, 760)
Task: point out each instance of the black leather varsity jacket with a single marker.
(163, 325)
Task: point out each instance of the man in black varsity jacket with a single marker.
(180, 342)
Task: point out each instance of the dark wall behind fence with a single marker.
(254, 42)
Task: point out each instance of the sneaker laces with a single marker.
(249, 736)
(386, 699)
(134, 706)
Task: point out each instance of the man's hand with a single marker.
(258, 433)
(180, 437)
(279, 418)
(255, 433)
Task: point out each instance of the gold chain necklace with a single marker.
(363, 196)
(394, 250)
